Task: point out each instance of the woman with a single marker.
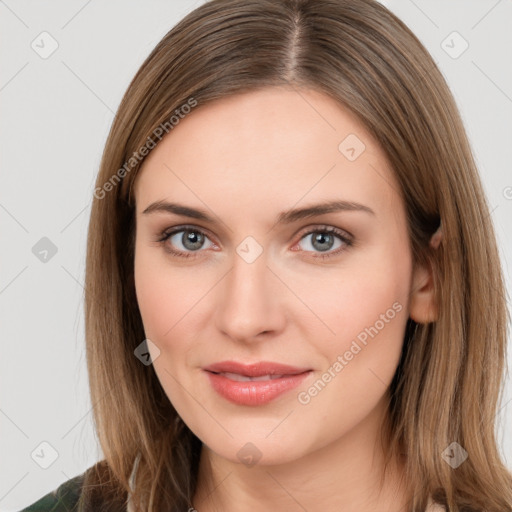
(293, 295)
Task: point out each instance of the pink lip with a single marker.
(254, 392)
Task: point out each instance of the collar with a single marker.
(129, 506)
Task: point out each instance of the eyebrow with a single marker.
(286, 217)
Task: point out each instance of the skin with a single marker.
(244, 160)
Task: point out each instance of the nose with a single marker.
(250, 301)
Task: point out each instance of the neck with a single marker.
(343, 476)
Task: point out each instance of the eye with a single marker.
(184, 241)
(324, 239)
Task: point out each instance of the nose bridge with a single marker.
(248, 303)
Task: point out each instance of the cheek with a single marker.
(168, 295)
(153, 291)
(348, 301)
(363, 309)
(368, 314)
(154, 297)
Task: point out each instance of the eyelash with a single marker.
(344, 237)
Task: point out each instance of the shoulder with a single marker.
(93, 490)
(64, 498)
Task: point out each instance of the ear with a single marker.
(422, 305)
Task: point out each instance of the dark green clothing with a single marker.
(73, 496)
(63, 499)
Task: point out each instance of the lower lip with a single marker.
(254, 392)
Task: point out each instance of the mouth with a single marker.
(254, 384)
(257, 369)
(244, 378)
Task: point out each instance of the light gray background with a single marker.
(56, 113)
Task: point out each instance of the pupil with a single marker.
(192, 240)
(321, 238)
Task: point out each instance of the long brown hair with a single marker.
(448, 383)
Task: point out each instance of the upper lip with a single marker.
(257, 369)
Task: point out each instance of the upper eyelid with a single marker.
(176, 229)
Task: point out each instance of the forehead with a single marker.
(273, 146)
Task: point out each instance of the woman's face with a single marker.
(256, 276)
